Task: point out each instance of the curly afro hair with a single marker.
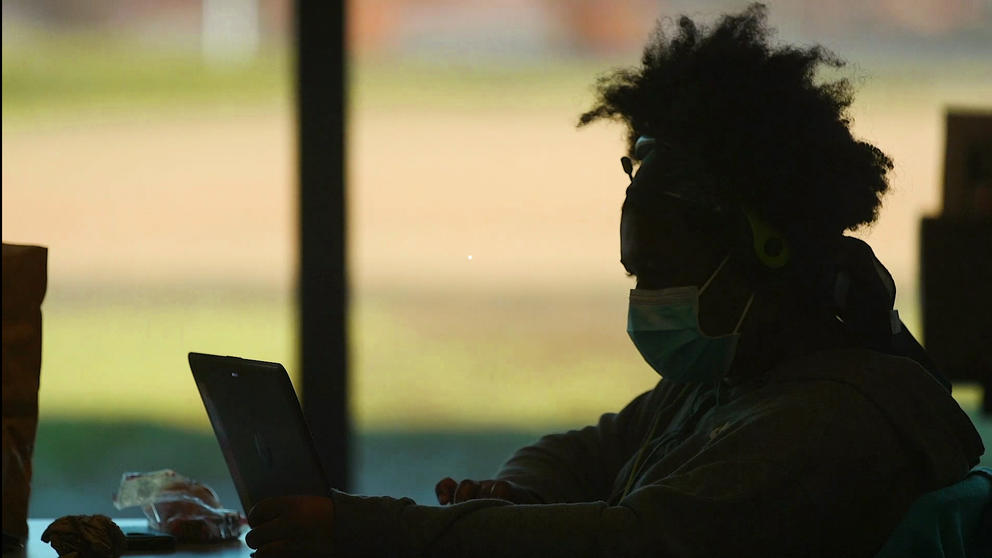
(747, 122)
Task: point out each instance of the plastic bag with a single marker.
(179, 506)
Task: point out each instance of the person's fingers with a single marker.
(269, 532)
(467, 490)
(502, 490)
(445, 490)
(485, 489)
(449, 491)
(266, 510)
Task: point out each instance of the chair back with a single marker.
(953, 522)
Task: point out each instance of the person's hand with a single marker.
(449, 491)
(297, 526)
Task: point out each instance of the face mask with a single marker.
(664, 326)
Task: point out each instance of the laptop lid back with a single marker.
(260, 427)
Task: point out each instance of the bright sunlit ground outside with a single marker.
(487, 294)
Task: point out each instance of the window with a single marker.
(150, 146)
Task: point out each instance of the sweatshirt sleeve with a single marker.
(579, 465)
(664, 519)
(774, 485)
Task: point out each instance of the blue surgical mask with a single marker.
(664, 326)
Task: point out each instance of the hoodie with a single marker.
(821, 456)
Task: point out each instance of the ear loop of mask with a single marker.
(737, 328)
(714, 274)
(747, 306)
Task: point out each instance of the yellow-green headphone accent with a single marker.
(770, 246)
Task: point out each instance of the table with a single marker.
(37, 549)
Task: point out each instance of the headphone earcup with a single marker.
(769, 245)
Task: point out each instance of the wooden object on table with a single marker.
(24, 282)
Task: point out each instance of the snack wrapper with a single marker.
(180, 506)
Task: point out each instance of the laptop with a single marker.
(260, 427)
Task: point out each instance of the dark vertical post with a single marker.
(320, 82)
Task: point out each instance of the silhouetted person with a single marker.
(795, 416)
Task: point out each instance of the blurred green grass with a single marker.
(419, 360)
(122, 353)
(55, 73)
(72, 72)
